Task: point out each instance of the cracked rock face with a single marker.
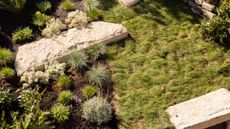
(34, 55)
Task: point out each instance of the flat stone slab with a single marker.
(129, 3)
(34, 55)
(201, 112)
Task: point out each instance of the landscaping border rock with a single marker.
(34, 55)
(201, 112)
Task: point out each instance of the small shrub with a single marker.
(60, 112)
(53, 27)
(97, 110)
(5, 98)
(44, 6)
(94, 14)
(65, 97)
(67, 5)
(22, 34)
(14, 6)
(78, 60)
(5, 56)
(89, 91)
(98, 75)
(77, 19)
(91, 4)
(7, 73)
(96, 51)
(40, 19)
(64, 82)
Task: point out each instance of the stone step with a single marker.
(34, 55)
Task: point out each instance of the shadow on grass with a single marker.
(175, 8)
(107, 4)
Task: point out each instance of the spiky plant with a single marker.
(5, 56)
(65, 97)
(91, 4)
(67, 5)
(44, 6)
(22, 34)
(99, 75)
(14, 6)
(7, 73)
(60, 112)
(96, 51)
(64, 82)
(89, 91)
(78, 60)
(97, 110)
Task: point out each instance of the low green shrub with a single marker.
(64, 82)
(99, 75)
(65, 97)
(89, 91)
(96, 51)
(97, 110)
(22, 34)
(67, 5)
(14, 6)
(60, 112)
(91, 4)
(40, 19)
(78, 60)
(7, 73)
(5, 56)
(5, 98)
(94, 14)
(44, 6)
(53, 27)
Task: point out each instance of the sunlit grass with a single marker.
(164, 63)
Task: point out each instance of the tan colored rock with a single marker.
(201, 112)
(198, 2)
(129, 3)
(208, 6)
(208, 13)
(34, 55)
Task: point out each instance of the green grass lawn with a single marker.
(164, 63)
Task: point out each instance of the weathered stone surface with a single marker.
(129, 3)
(201, 112)
(198, 2)
(34, 55)
(208, 6)
(208, 13)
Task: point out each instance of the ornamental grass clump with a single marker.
(91, 4)
(99, 75)
(22, 34)
(64, 82)
(78, 60)
(44, 6)
(7, 73)
(67, 5)
(96, 51)
(77, 19)
(65, 97)
(60, 112)
(89, 91)
(53, 27)
(97, 110)
(5, 56)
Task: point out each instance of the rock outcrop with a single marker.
(34, 55)
(201, 7)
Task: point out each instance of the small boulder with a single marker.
(129, 3)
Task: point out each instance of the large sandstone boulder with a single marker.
(129, 3)
(34, 55)
(201, 112)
